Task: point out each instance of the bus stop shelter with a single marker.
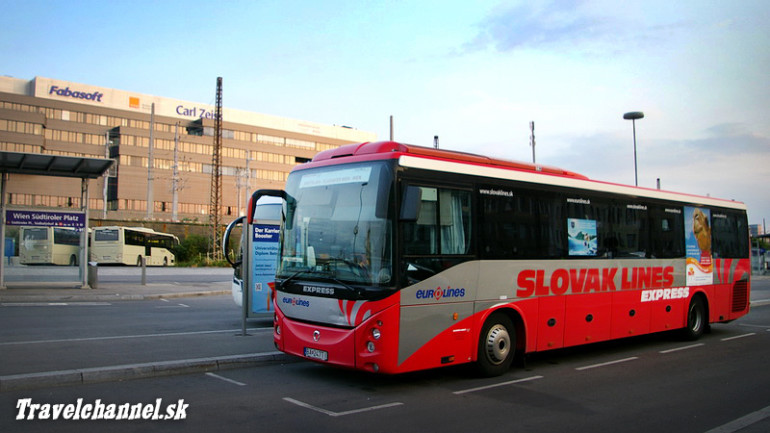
(51, 165)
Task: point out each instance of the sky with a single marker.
(473, 73)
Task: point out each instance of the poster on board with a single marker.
(265, 243)
(699, 267)
(582, 237)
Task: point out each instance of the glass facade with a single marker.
(252, 157)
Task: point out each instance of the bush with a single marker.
(192, 248)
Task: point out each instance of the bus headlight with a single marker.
(370, 346)
(376, 333)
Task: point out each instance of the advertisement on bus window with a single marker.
(582, 237)
(698, 246)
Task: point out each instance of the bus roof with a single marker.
(382, 147)
(136, 229)
(468, 163)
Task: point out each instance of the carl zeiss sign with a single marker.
(44, 219)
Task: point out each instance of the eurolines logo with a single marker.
(438, 293)
(297, 302)
(66, 92)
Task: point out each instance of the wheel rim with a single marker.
(498, 344)
(696, 319)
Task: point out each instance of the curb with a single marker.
(18, 382)
(107, 298)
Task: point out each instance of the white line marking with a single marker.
(336, 414)
(510, 382)
(481, 388)
(604, 364)
(677, 349)
(122, 337)
(54, 304)
(749, 325)
(742, 422)
(739, 336)
(235, 382)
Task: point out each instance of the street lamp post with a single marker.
(633, 115)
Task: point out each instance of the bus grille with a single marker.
(740, 295)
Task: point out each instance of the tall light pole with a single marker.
(633, 115)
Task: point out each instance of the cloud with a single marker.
(574, 26)
(727, 163)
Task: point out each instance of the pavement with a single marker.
(196, 353)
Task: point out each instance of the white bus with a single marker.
(128, 245)
(49, 246)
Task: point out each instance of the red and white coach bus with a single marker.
(396, 258)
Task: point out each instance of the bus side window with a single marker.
(441, 231)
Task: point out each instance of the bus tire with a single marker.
(165, 261)
(497, 345)
(697, 319)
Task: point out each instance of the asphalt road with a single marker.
(650, 383)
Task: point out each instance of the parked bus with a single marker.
(395, 258)
(49, 246)
(129, 245)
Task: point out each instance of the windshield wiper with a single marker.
(293, 276)
(328, 274)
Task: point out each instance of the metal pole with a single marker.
(3, 181)
(175, 177)
(106, 175)
(532, 140)
(636, 176)
(391, 128)
(150, 200)
(84, 234)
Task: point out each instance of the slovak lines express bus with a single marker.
(129, 245)
(396, 258)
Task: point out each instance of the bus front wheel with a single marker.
(497, 344)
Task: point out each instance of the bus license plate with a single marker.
(316, 354)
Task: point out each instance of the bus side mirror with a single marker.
(291, 203)
(410, 204)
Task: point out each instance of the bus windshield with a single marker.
(338, 227)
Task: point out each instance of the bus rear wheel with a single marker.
(697, 319)
(497, 344)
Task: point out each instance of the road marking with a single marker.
(235, 382)
(760, 302)
(336, 414)
(54, 304)
(749, 325)
(604, 364)
(739, 336)
(122, 337)
(677, 349)
(742, 422)
(511, 382)
(178, 305)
